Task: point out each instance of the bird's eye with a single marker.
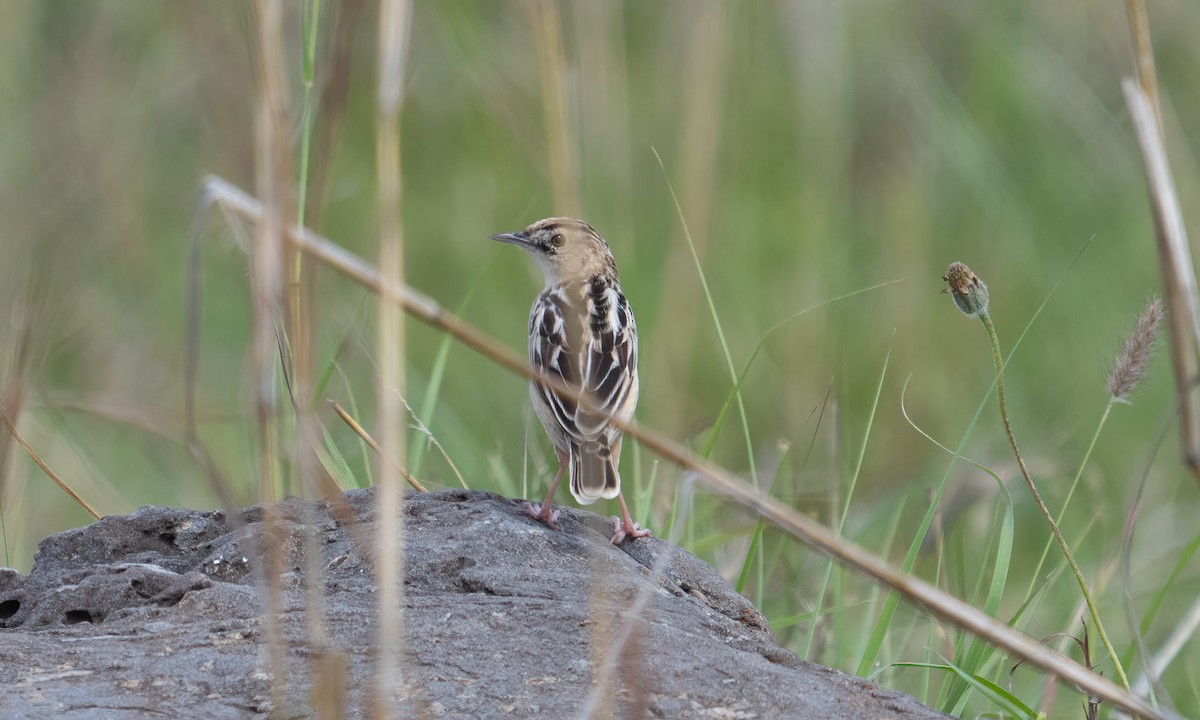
(557, 240)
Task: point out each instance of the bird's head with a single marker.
(566, 250)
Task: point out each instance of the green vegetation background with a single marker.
(818, 148)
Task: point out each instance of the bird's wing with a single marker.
(611, 358)
(584, 334)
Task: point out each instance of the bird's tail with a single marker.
(594, 473)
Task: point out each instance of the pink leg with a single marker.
(545, 512)
(624, 526)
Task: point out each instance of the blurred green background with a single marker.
(817, 148)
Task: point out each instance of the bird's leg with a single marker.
(624, 526)
(545, 512)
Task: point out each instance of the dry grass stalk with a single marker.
(1178, 270)
(420, 425)
(700, 145)
(267, 254)
(37, 459)
(394, 16)
(1141, 685)
(267, 259)
(560, 141)
(1143, 54)
(618, 647)
(1184, 631)
(334, 82)
(360, 431)
(328, 667)
(328, 691)
(944, 607)
(18, 371)
(330, 672)
(160, 422)
(1130, 365)
(605, 124)
(191, 366)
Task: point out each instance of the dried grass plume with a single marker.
(1131, 364)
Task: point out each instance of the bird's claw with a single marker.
(545, 515)
(627, 529)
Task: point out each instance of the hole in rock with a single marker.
(8, 608)
(74, 617)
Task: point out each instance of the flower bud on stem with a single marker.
(971, 296)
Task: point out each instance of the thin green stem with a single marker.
(310, 18)
(1070, 493)
(1058, 536)
(712, 309)
(841, 523)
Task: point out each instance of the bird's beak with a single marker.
(515, 238)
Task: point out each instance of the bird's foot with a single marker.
(627, 529)
(545, 514)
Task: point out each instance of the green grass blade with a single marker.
(502, 475)
(862, 453)
(1185, 557)
(862, 450)
(979, 651)
(750, 555)
(1006, 700)
(335, 464)
(643, 497)
(309, 23)
(331, 367)
(419, 442)
(711, 440)
(1070, 493)
(712, 309)
(363, 449)
(754, 554)
(791, 620)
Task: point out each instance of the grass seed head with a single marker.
(968, 291)
(1131, 364)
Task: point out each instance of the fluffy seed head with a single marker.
(1131, 364)
(968, 291)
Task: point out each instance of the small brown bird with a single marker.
(581, 330)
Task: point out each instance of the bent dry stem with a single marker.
(971, 296)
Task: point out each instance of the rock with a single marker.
(159, 614)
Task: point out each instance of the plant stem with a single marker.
(1070, 494)
(1058, 536)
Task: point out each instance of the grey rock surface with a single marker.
(159, 614)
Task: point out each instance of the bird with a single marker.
(582, 333)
